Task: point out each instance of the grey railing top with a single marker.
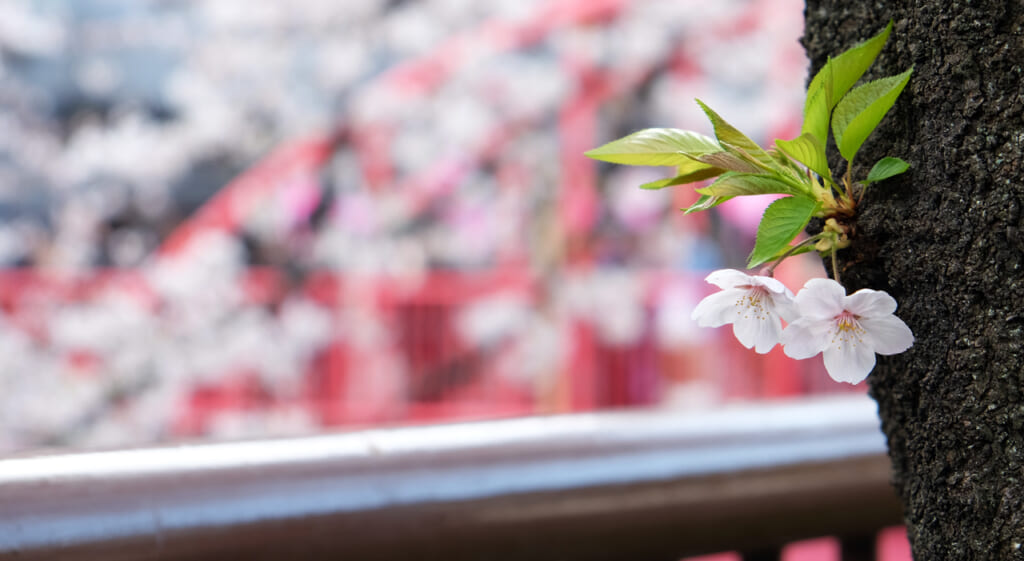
(649, 484)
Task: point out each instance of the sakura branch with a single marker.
(847, 330)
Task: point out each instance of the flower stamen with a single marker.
(847, 321)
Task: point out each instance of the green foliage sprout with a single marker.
(797, 168)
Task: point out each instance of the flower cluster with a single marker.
(848, 330)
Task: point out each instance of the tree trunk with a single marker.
(947, 241)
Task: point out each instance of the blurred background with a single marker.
(227, 218)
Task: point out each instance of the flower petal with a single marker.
(760, 333)
(783, 306)
(869, 303)
(719, 308)
(887, 335)
(821, 299)
(849, 362)
(772, 284)
(805, 338)
(728, 278)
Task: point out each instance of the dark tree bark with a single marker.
(947, 241)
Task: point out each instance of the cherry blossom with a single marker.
(847, 330)
(754, 305)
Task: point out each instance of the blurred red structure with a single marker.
(443, 373)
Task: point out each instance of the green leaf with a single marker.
(705, 202)
(733, 184)
(809, 151)
(783, 220)
(730, 136)
(656, 147)
(836, 78)
(857, 115)
(886, 168)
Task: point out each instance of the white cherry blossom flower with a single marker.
(847, 330)
(754, 305)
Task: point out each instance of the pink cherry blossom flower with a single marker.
(754, 305)
(847, 330)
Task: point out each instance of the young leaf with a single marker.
(730, 136)
(687, 172)
(849, 66)
(705, 202)
(705, 173)
(662, 183)
(886, 168)
(734, 184)
(783, 220)
(818, 105)
(730, 161)
(809, 151)
(692, 166)
(656, 147)
(835, 79)
(857, 115)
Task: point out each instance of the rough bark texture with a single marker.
(947, 241)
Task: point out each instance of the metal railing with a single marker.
(638, 485)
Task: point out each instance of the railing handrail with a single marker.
(633, 484)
